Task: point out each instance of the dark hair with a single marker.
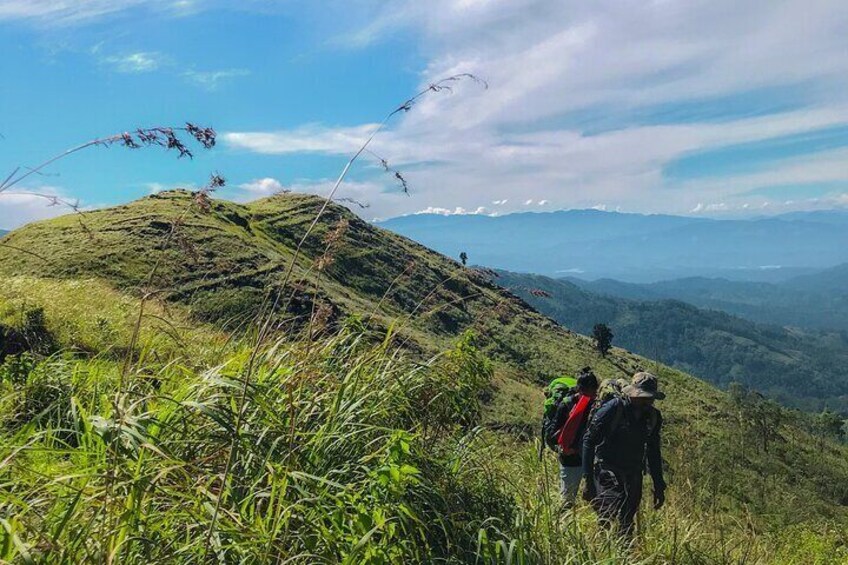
(586, 379)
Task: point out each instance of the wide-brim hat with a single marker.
(644, 385)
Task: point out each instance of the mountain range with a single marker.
(595, 244)
(225, 259)
(807, 370)
(817, 301)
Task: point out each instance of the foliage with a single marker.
(602, 335)
(346, 456)
(802, 370)
(813, 302)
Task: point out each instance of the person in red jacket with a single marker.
(572, 417)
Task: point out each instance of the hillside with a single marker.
(635, 247)
(815, 301)
(833, 281)
(805, 370)
(222, 261)
(358, 444)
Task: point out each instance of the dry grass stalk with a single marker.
(162, 136)
(268, 313)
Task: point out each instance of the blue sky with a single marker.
(696, 107)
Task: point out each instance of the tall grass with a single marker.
(349, 452)
(144, 441)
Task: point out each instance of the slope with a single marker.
(213, 260)
(804, 370)
(223, 258)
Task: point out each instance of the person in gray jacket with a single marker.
(622, 435)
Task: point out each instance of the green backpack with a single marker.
(558, 390)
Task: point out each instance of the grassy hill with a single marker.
(805, 370)
(143, 435)
(222, 263)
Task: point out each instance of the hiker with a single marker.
(572, 417)
(622, 434)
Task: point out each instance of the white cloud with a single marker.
(552, 64)
(354, 194)
(458, 211)
(306, 139)
(141, 62)
(528, 202)
(263, 187)
(74, 12)
(551, 67)
(543, 202)
(211, 80)
(57, 11)
(149, 61)
(21, 207)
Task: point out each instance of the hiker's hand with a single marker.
(589, 492)
(659, 498)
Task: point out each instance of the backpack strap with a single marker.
(652, 421)
(617, 418)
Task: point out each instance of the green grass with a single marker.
(388, 438)
(90, 316)
(350, 452)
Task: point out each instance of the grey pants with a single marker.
(569, 482)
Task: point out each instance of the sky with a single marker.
(701, 107)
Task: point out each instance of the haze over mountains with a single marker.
(807, 370)
(757, 301)
(593, 244)
(817, 301)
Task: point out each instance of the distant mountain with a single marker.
(838, 217)
(801, 369)
(816, 301)
(833, 281)
(635, 247)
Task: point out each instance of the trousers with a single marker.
(569, 482)
(619, 494)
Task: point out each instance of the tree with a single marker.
(603, 338)
(830, 425)
(464, 258)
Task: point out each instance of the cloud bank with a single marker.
(592, 103)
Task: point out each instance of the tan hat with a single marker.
(643, 385)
